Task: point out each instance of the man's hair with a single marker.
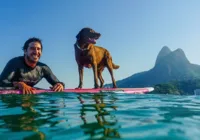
(33, 39)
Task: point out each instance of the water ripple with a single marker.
(99, 116)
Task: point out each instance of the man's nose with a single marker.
(35, 50)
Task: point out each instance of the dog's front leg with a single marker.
(94, 67)
(80, 71)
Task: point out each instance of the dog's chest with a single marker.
(84, 57)
(84, 54)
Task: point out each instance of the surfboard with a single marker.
(87, 90)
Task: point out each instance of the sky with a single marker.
(134, 31)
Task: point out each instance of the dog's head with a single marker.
(88, 35)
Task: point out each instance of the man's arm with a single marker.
(50, 77)
(8, 74)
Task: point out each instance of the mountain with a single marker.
(164, 51)
(169, 66)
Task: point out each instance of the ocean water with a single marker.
(73, 116)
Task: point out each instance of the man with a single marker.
(24, 72)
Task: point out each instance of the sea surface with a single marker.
(71, 116)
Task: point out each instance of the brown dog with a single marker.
(88, 55)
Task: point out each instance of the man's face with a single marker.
(33, 52)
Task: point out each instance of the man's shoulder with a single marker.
(42, 65)
(16, 59)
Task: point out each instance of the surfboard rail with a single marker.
(86, 90)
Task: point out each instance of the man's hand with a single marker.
(24, 88)
(57, 87)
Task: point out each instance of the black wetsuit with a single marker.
(17, 70)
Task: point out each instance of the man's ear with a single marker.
(25, 51)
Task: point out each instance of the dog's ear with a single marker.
(78, 36)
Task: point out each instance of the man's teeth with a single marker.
(35, 56)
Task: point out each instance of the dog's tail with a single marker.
(109, 60)
(115, 66)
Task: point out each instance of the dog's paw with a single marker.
(96, 87)
(78, 88)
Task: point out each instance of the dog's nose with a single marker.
(99, 34)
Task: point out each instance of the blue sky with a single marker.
(134, 31)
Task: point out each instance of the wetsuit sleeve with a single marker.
(50, 77)
(8, 74)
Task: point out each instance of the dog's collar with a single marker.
(80, 47)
